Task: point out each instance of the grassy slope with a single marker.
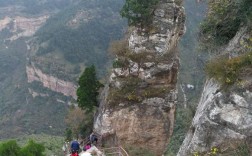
(53, 144)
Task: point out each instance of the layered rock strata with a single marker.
(137, 107)
(22, 26)
(55, 84)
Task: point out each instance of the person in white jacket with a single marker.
(65, 148)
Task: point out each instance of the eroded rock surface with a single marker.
(144, 118)
(22, 26)
(51, 82)
(224, 115)
(222, 120)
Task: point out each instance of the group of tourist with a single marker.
(74, 147)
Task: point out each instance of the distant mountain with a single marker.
(32, 7)
(81, 34)
(44, 46)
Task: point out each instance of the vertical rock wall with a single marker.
(145, 117)
(223, 118)
(55, 84)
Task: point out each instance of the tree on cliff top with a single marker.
(88, 89)
(138, 12)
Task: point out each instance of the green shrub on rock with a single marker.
(138, 12)
(224, 19)
(228, 71)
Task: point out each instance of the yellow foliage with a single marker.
(214, 150)
(196, 154)
(228, 71)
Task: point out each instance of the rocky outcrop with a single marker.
(22, 26)
(82, 16)
(51, 82)
(138, 105)
(224, 116)
(222, 120)
(27, 27)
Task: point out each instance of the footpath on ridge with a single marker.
(97, 149)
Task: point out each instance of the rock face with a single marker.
(224, 117)
(51, 82)
(22, 26)
(81, 16)
(144, 116)
(27, 27)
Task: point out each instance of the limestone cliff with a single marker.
(19, 26)
(22, 26)
(55, 84)
(223, 118)
(137, 107)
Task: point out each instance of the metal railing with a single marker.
(114, 151)
(110, 151)
(87, 139)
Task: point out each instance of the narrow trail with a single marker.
(97, 149)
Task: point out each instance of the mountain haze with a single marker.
(45, 44)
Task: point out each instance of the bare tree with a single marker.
(74, 119)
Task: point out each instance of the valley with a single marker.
(38, 77)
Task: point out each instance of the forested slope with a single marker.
(82, 33)
(76, 34)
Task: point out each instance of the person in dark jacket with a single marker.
(93, 138)
(75, 146)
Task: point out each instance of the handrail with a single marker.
(87, 139)
(108, 148)
(119, 150)
(124, 151)
(115, 150)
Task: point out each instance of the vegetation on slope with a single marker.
(182, 124)
(11, 148)
(224, 19)
(79, 119)
(52, 144)
(241, 150)
(230, 71)
(32, 7)
(132, 88)
(138, 12)
(81, 33)
(13, 89)
(79, 122)
(20, 112)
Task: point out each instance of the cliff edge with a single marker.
(137, 106)
(223, 117)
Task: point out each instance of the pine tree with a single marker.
(88, 89)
